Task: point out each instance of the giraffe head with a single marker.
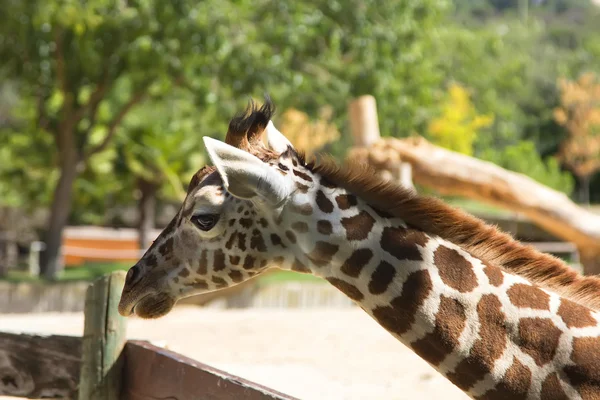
(229, 227)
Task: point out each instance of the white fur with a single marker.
(276, 140)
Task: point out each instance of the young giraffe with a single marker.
(498, 319)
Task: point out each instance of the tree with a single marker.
(458, 125)
(81, 68)
(579, 113)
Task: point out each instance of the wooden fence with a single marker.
(104, 365)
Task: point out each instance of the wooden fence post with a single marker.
(364, 124)
(103, 340)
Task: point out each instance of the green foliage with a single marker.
(524, 158)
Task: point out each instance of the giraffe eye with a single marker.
(205, 222)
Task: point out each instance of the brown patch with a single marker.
(400, 314)
(575, 315)
(241, 241)
(198, 284)
(246, 222)
(382, 277)
(322, 253)
(299, 226)
(299, 267)
(240, 209)
(327, 183)
(257, 242)
(454, 269)
(234, 260)
(184, 273)
(324, 227)
(356, 262)
(494, 274)
(230, 241)
(514, 385)
(526, 296)
(236, 276)
(483, 241)
(302, 188)
(276, 240)
(395, 241)
(346, 288)
(345, 201)
(151, 261)
(203, 263)
(219, 260)
(219, 282)
(585, 374)
(324, 203)
(304, 209)
(231, 222)
(249, 262)
(166, 248)
(263, 222)
(449, 323)
(551, 388)
(290, 236)
(538, 338)
(302, 175)
(358, 226)
(487, 348)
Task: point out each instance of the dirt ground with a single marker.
(311, 354)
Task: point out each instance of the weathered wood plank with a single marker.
(103, 340)
(152, 372)
(39, 366)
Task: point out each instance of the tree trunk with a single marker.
(584, 189)
(147, 212)
(50, 262)
(452, 173)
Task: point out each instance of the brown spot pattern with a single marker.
(202, 264)
(324, 227)
(454, 269)
(551, 388)
(290, 236)
(522, 295)
(358, 226)
(219, 260)
(246, 222)
(396, 241)
(276, 240)
(199, 284)
(151, 261)
(346, 288)
(324, 203)
(302, 175)
(301, 227)
(585, 374)
(299, 267)
(241, 241)
(166, 247)
(487, 348)
(219, 282)
(231, 222)
(184, 273)
(575, 315)
(303, 209)
(249, 262)
(449, 323)
(514, 385)
(257, 242)
(327, 183)
(356, 262)
(263, 222)
(235, 260)
(538, 337)
(345, 201)
(302, 188)
(494, 275)
(400, 314)
(382, 277)
(322, 253)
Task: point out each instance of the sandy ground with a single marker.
(311, 354)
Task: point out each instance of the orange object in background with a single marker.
(91, 243)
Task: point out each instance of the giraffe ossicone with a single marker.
(498, 319)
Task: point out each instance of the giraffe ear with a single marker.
(245, 175)
(277, 142)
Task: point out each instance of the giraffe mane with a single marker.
(481, 240)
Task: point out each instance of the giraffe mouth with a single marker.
(149, 306)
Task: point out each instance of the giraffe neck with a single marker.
(492, 334)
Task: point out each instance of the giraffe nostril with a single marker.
(132, 275)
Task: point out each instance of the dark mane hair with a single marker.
(483, 241)
(246, 128)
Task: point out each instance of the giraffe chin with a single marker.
(154, 306)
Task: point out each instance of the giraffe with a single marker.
(495, 317)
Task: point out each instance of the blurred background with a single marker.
(103, 105)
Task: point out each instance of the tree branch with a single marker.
(116, 121)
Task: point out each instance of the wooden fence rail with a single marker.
(101, 365)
